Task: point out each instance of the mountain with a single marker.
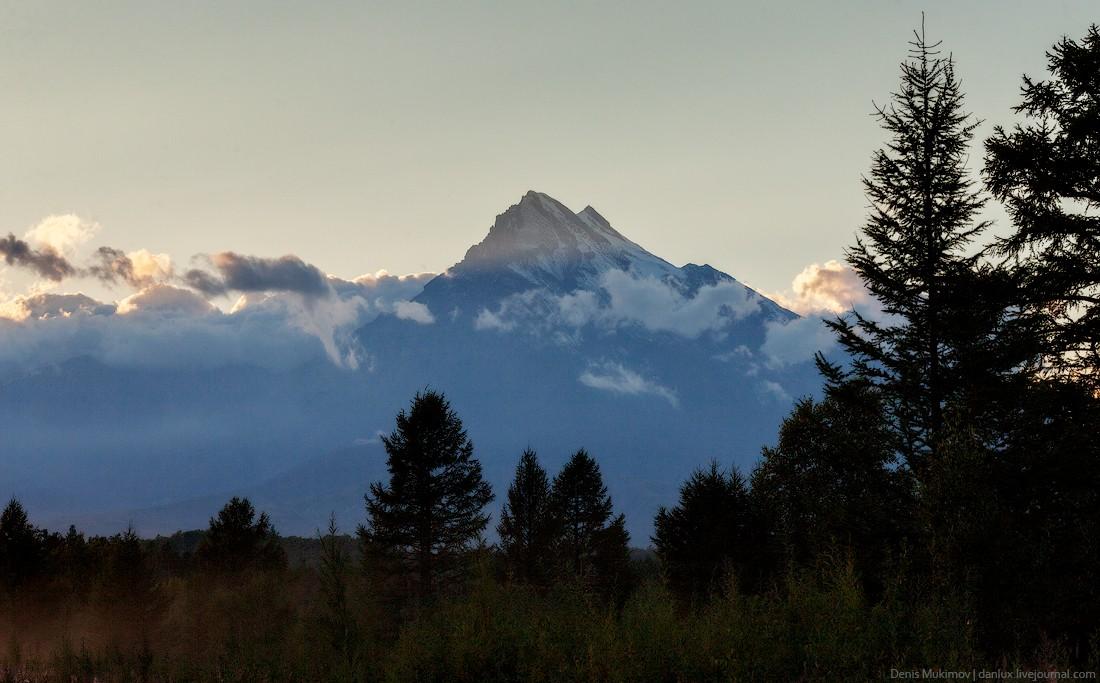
(555, 332)
(540, 244)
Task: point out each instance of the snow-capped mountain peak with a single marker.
(540, 244)
(544, 242)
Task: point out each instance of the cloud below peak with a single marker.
(623, 299)
(618, 379)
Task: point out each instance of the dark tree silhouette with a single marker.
(126, 582)
(527, 526)
(432, 511)
(1018, 527)
(236, 540)
(912, 252)
(831, 481)
(705, 536)
(1046, 172)
(592, 546)
(22, 548)
(337, 619)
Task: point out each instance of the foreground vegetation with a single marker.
(937, 508)
(313, 623)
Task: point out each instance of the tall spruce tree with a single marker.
(705, 536)
(433, 510)
(1047, 172)
(592, 545)
(912, 253)
(527, 526)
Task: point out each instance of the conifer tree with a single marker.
(592, 545)
(705, 535)
(912, 254)
(337, 620)
(1046, 172)
(22, 549)
(432, 511)
(236, 540)
(527, 526)
(831, 481)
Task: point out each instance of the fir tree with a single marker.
(527, 526)
(592, 546)
(705, 535)
(22, 548)
(1046, 172)
(236, 540)
(336, 619)
(912, 253)
(433, 510)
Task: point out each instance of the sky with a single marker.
(365, 136)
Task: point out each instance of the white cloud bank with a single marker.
(625, 299)
(285, 306)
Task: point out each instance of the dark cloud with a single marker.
(112, 265)
(46, 262)
(239, 273)
(205, 282)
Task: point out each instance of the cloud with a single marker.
(795, 341)
(625, 299)
(660, 307)
(164, 299)
(294, 303)
(819, 291)
(487, 320)
(239, 273)
(138, 269)
(774, 391)
(331, 320)
(205, 282)
(415, 311)
(334, 319)
(618, 379)
(161, 328)
(386, 293)
(832, 287)
(46, 262)
(382, 287)
(44, 306)
(62, 234)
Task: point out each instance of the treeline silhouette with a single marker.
(937, 507)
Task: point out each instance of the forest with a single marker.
(937, 507)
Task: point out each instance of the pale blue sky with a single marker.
(365, 135)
